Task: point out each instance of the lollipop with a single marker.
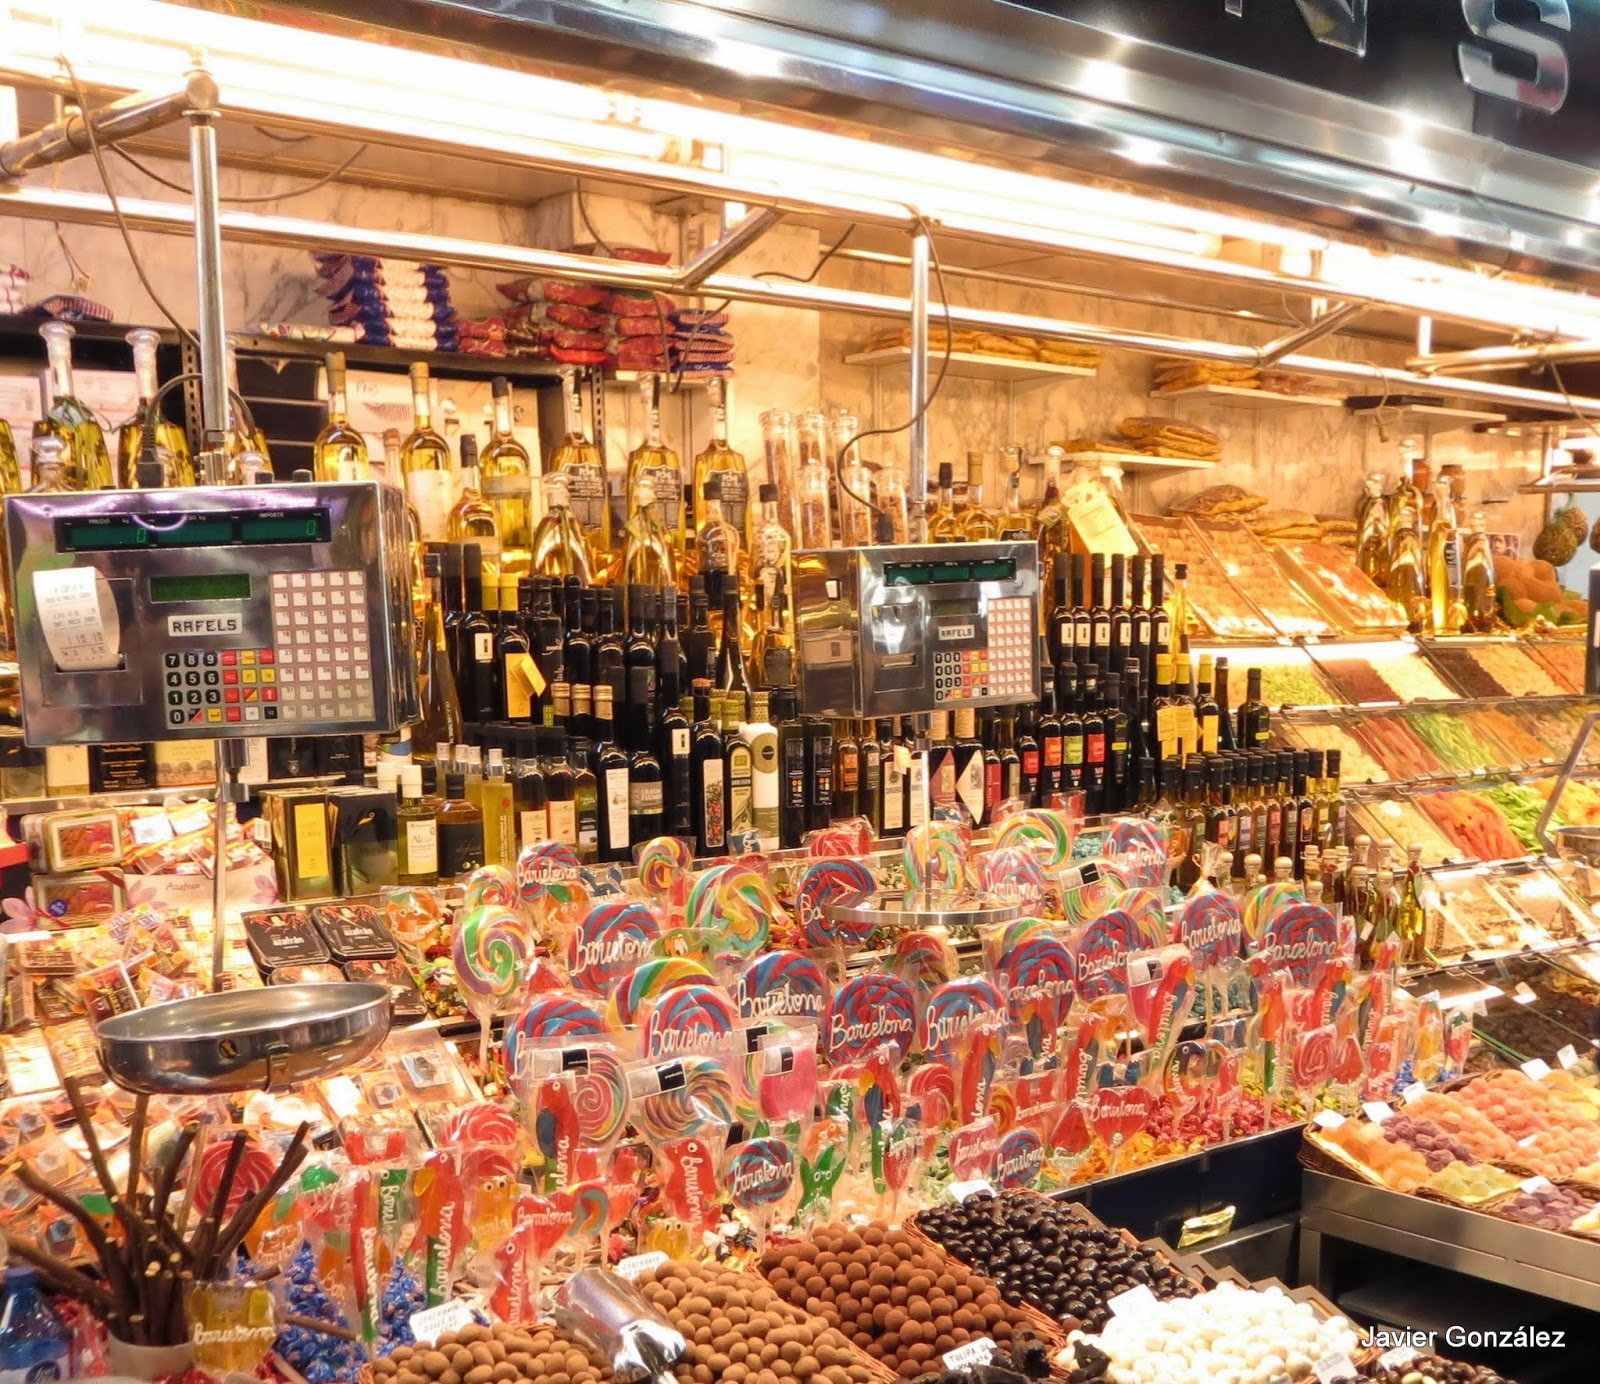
(685, 1018)
(760, 1173)
(1210, 925)
(1100, 954)
(490, 884)
(1040, 831)
(609, 941)
(1145, 907)
(1013, 872)
(782, 985)
(1020, 1160)
(924, 960)
(867, 1012)
(1300, 938)
(853, 837)
(645, 982)
(253, 1172)
(683, 1097)
(413, 915)
(662, 861)
(553, 1014)
(1038, 976)
(933, 1086)
(956, 1011)
(490, 949)
(825, 882)
(549, 873)
(934, 856)
(482, 1122)
(731, 905)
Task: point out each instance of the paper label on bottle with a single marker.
(430, 493)
(679, 747)
(586, 494)
(715, 803)
(531, 825)
(562, 818)
(614, 800)
(483, 648)
(519, 691)
(645, 798)
(422, 847)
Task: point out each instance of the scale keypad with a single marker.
(1003, 669)
(324, 653)
(221, 687)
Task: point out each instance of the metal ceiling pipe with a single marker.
(133, 115)
(917, 479)
(257, 229)
(1503, 357)
(1327, 321)
(740, 238)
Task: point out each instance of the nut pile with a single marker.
(491, 1355)
(899, 1299)
(1042, 1252)
(740, 1331)
(1431, 1369)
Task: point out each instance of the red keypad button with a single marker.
(232, 713)
(269, 694)
(266, 656)
(229, 658)
(230, 694)
(230, 677)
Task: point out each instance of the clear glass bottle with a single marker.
(774, 549)
(1372, 532)
(1446, 609)
(1408, 577)
(245, 445)
(88, 463)
(1477, 580)
(944, 524)
(1405, 504)
(813, 484)
(780, 446)
(1013, 522)
(506, 472)
(172, 447)
(855, 484)
(720, 460)
(578, 461)
(339, 452)
(894, 502)
(440, 720)
(472, 517)
(653, 458)
(560, 546)
(425, 462)
(716, 545)
(977, 524)
(417, 831)
(648, 557)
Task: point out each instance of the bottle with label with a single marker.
(646, 778)
(846, 772)
(761, 736)
(639, 656)
(1332, 821)
(472, 518)
(699, 641)
(611, 781)
(941, 762)
(978, 523)
(1255, 720)
(507, 475)
(1160, 619)
(1115, 797)
(528, 791)
(417, 834)
(87, 462)
(673, 750)
(499, 821)
(772, 548)
(819, 772)
(708, 777)
(1139, 632)
(172, 446)
(1307, 768)
(1372, 532)
(738, 763)
(1446, 605)
(1028, 754)
(35, 1345)
(967, 755)
(1121, 643)
(1478, 581)
(583, 472)
(648, 555)
(482, 697)
(1072, 771)
(610, 655)
(1222, 819)
(425, 461)
(989, 734)
(585, 798)
(871, 775)
(460, 831)
(893, 820)
(720, 460)
(561, 547)
(561, 808)
(1059, 635)
(1099, 615)
(791, 768)
(1227, 738)
(469, 764)
(731, 675)
(1012, 522)
(1207, 711)
(440, 719)
(1094, 738)
(514, 663)
(1052, 750)
(654, 460)
(944, 524)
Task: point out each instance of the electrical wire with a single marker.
(312, 186)
(116, 206)
(927, 400)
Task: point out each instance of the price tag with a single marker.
(960, 1191)
(433, 1322)
(1327, 1119)
(1377, 1110)
(1524, 993)
(1333, 1367)
(1396, 1358)
(1530, 1185)
(151, 828)
(343, 1096)
(1536, 1068)
(970, 1356)
(638, 1265)
(1567, 1057)
(1414, 1092)
(1137, 1301)
(902, 757)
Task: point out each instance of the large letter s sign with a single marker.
(1548, 89)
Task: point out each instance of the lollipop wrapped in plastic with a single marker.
(605, 1313)
(490, 885)
(491, 948)
(935, 858)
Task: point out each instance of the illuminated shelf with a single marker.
(1248, 400)
(1429, 419)
(965, 365)
(1138, 461)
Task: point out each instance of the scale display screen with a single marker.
(208, 586)
(937, 573)
(114, 532)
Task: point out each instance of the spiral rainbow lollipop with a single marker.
(1040, 830)
(662, 863)
(732, 907)
(490, 885)
(490, 948)
(935, 858)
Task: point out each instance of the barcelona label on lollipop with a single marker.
(491, 949)
(866, 1012)
(1038, 973)
(759, 1174)
(611, 938)
(835, 882)
(782, 985)
(963, 1026)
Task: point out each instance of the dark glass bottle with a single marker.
(699, 642)
(1072, 729)
(1246, 785)
(610, 667)
(460, 832)
(1005, 734)
(1082, 649)
(452, 605)
(673, 744)
(639, 656)
(669, 654)
(819, 772)
(1307, 770)
(1121, 616)
(1191, 819)
(482, 698)
(1145, 789)
(561, 808)
(1160, 620)
(941, 762)
(871, 775)
(731, 676)
(511, 647)
(1051, 747)
(1115, 798)
(1227, 736)
(577, 654)
(1059, 630)
(709, 797)
(1094, 738)
(528, 795)
(1255, 720)
(610, 763)
(738, 765)
(1099, 613)
(1138, 621)
(846, 772)
(1207, 711)
(1028, 753)
(1221, 819)
(1133, 712)
(791, 768)
(967, 753)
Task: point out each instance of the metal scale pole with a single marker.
(917, 477)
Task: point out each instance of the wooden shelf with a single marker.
(965, 365)
(1138, 461)
(1248, 400)
(1429, 419)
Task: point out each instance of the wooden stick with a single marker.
(247, 1214)
(205, 1238)
(344, 1333)
(141, 1110)
(113, 1259)
(66, 1278)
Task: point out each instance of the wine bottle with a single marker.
(893, 820)
(417, 833)
(967, 753)
(1094, 738)
(561, 808)
(440, 719)
(1255, 720)
(460, 832)
(172, 446)
(1028, 754)
(425, 460)
(673, 743)
(507, 474)
(846, 772)
(738, 765)
(610, 765)
(646, 779)
(791, 768)
(528, 791)
(483, 696)
(708, 776)
(819, 772)
(762, 737)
